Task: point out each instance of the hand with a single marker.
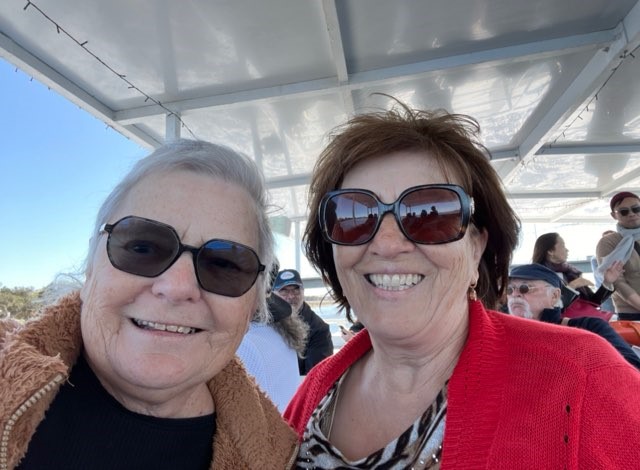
(346, 334)
(613, 272)
(580, 282)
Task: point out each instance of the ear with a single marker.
(555, 296)
(613, 215)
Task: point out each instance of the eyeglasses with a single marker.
(148, 248)
(429, 214)
(522, 288)
(625, 212)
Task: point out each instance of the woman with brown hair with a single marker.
(409, 226)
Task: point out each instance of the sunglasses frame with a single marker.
(467, 208)
(530, 288)
(628, 211)
(195, 251)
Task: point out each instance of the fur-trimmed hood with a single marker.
(36, 358)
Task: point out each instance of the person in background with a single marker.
(409, 227)
(608, 303)
(138, 368)
(348, 334)
(551, 251)
(534, 293)
(622, 246)
(270, 349)
(288, 285)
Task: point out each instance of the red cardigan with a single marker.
(524, 394)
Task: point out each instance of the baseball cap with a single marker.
(287, 277)
(536, 272)
(615, 200)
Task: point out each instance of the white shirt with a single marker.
(272, 362)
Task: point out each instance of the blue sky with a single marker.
(57, 164)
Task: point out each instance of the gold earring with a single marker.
(471, 294)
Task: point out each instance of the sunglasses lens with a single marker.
(142, 247)
(431, 215)
(350, 218)
(428, 215)
(522, 288)
(227, 268)
(624, 212)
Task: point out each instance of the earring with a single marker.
(471, 294)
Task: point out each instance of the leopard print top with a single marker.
(419, 447)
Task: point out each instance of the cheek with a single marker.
(345, 258)
(233, 315)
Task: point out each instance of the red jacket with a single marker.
(524, 394)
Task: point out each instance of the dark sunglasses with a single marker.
(522, 288)
(625, 212)
(429, 214)
(148, 248)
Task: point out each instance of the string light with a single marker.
(525, 164)
(121, 76)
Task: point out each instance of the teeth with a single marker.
(150, 325)
(395, 281)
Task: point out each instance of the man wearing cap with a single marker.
(622, 245)
(534, 293)
(288, 285)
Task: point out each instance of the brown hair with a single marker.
(450, 140)
(544, 243)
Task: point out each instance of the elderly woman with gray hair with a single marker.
(138, 369)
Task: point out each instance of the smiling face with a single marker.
(127, 320)
(540, 296)
(398, 288)
(631, 219)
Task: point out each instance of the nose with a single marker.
(389, 240)
(178, 283)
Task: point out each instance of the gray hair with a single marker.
(203, 158)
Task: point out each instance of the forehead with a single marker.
(397, 171)
(200, 207)
(627, 202)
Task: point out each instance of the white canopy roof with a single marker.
(554, 84)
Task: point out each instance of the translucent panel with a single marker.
(546, 209)
(610, 115)
(291, 201)
(383, 33)
(284, 137)
(580, 238)
(572, 172)
(501, 97)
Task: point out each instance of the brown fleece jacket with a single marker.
(35, 359)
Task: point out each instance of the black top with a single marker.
(319, 342)
(597, 326)
(86, 428)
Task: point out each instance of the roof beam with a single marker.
(568, 210)
(43, 73)
(335, 39)
(332, 23)
(604, 150)
(617, 184)
(586, 83)
(356, 81)
(553, 194)
(288, 180)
